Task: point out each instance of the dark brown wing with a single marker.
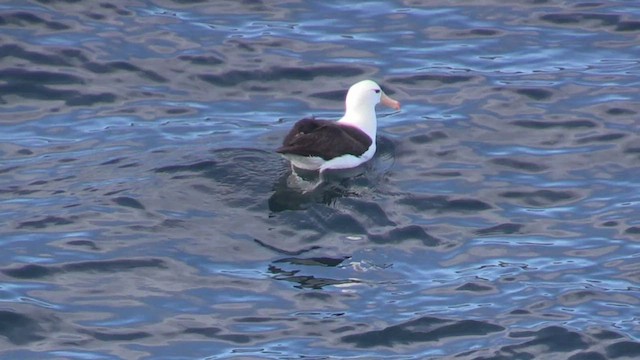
(325, 139)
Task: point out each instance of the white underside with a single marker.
(340, 162)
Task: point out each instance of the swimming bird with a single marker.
(314, 144)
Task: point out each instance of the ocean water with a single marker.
(145, 215)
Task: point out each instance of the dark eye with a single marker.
(377, 91)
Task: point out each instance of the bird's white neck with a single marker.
(363, 117)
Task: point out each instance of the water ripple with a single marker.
(147, 216)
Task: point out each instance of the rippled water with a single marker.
(146, 216)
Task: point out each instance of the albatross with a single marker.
(314, 144)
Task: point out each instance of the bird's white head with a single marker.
(368, 93)
(361, 102)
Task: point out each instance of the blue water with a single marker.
(145, 214)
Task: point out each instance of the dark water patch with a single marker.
(83, 243)
(540, 198)
(16, 51)
(588, 4)
(22, 76)
(425, 329)
(30, 271)
(70, 55)
(502, 229)
(33, 271)
(624, 26)
(428, 138)
(233, 78)
(44, 223)
(130, 165)
(95, 16)
(519, 165)
(520, 312)
(438, 78)
(35, 91)
(584, 20)
(216, 333)
(632, 150)
(587, 355)
(162, 227)
(485, 32)
(616, 111)
(558, 342)
(566, 124)
(443, 204)
(476, 287)
(113, 265)
(601, 138)
(258, 88)
(14, 190)
(626, 349)
(128, 202)
(27, 19)
(285, 251)
(114, 192)
(114, 66)
(208, 60)
(188, 2)
(20, 329)
(208, 331)
(113, 161)
(117, 336)
(177, 111)
(8, 169)
(314, 261)
(634, 230)
(58, 1)
(602, 334)
(25, 152)
(535, 93)
(40, 92)
(405, 233)
(336, 95)
(555, 339)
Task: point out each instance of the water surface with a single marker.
(146, 215)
